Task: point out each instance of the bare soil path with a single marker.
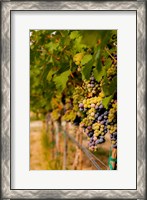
(40, 155)
(38, 159)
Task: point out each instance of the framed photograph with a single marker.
(73, 90)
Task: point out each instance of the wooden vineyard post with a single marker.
(56, 125)
(76, 160)
(80, 151)
(52, 139)
(65, 148)
(47, 122)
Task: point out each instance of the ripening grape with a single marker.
(92, 78)
(81, 105)
(97, 120)
(77, 58)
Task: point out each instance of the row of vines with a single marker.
(73, 78)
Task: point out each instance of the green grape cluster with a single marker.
(112, 112)
(111, 71)
(77, 58)
(68, 104)
(112, 120)
(71, 108)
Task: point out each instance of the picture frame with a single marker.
(7, 117)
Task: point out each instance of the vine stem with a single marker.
(110, 54)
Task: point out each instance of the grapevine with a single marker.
(73, 76)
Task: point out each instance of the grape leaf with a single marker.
(86, 59)
(106, 101)
(49, 76)
(113, 85)
(105, 87)
(110, 88)
(108, 63)
(97, 58)
(77, 45)
(74, 34)
(98, 75)
(51, 46)
(90, 37)
(63, 67)
(86, 70)
(61, 80)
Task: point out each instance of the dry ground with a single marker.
(38, 159)
(40, 156)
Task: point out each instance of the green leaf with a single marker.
(113, 85)
(77, 45)
(86, 59)
(105, 87)
(63, 67)
(108, 63)
(90, 37)
(106, 101)
(61, 80)
(105, 37)
(110, 89)
(98, 75)
(86, 70)
(97, 57)
(49, 76)
(64, 33)
(52, 46)
(98, 53)
(74, 34)
(44, 72)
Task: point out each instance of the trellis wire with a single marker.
(90, 156)
(87, 153)
(98, 159)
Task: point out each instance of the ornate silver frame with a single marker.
(139, 7)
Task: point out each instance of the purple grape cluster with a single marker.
(113, 137)
(96, 119)
(101, 117)
(92, 82)
(96, 128)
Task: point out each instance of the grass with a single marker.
(101, 152)
(49, 146)
(56, 162)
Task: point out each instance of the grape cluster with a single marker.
(78, 96)
(98, 120)
(111, 72)
(92, 87)
(95, 124)
(77, 58)
(112, 117)
(112, 123)
(96, 116)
